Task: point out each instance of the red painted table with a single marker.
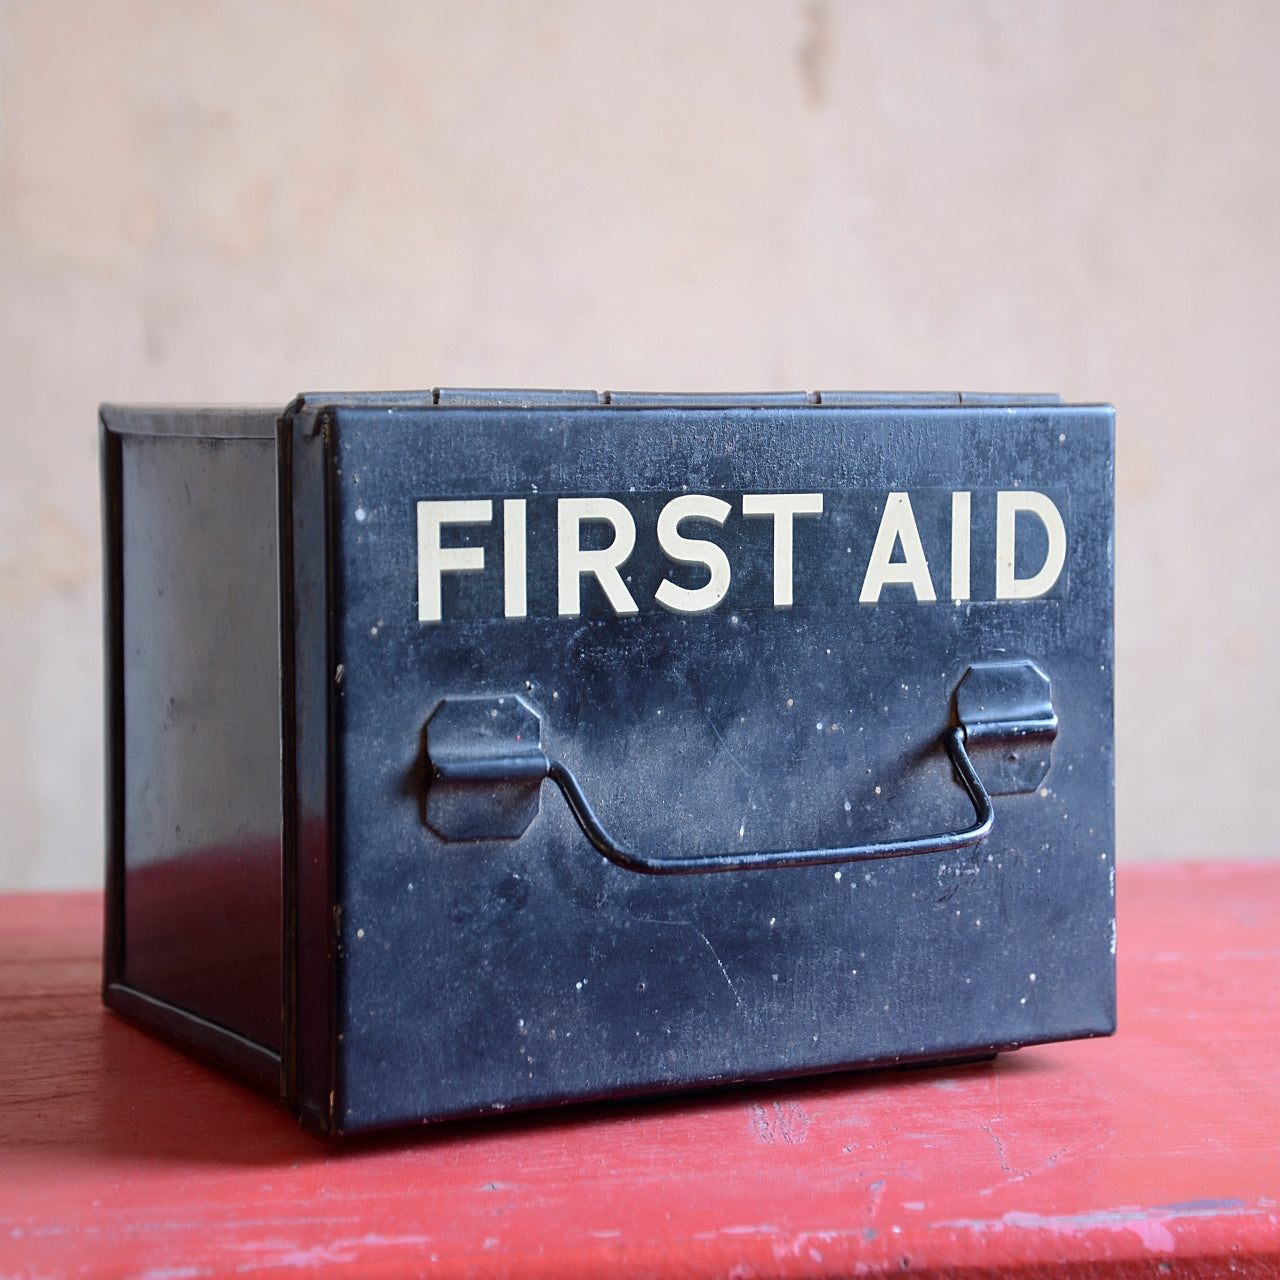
(1156, 1153)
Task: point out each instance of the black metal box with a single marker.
(485, 750)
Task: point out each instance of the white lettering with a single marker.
(898, 524)
(1008, 503)
(782, 507)
(435, 560)
(604, 562)
(515, 576)
(959, 547)
(897, 558)
(677, 547)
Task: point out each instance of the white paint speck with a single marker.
(361, 515)
(837, 875)
(848, 807)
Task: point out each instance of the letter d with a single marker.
(1008, 503)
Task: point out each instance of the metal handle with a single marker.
(621, 856)
(486, 767)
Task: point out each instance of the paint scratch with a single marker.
(995, 1137)
(688, 924)
(725, 745)
(1151, 1226)
(785, 1122)
(719, 964)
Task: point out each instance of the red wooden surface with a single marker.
(1156, 1153)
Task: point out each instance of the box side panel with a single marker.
(194, 696)
(113, 706)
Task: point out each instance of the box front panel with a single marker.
(740, 630)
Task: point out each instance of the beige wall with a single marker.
(238, 201)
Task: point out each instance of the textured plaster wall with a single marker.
(232, 202)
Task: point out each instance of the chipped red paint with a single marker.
(1154, 1154)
